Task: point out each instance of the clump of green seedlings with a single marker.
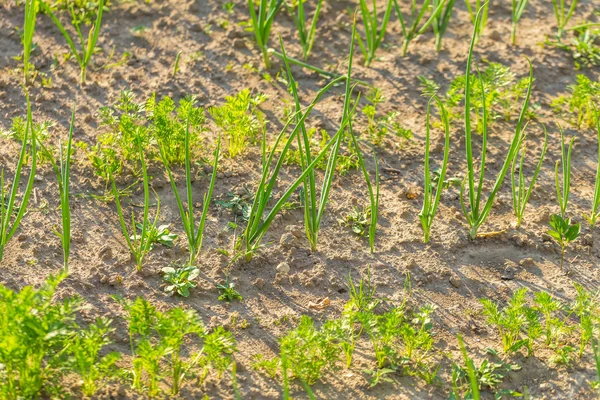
(139, 244)
(478, 11)
(374, 29)
(564, 232)
(307, 30)
(595, 212)
(494, 86)
(563, 186)
(88, 47)
(412, 27)
(563, 13)
(180, 280)
(379, 127)
(433, 183)
(442, 20)
(579, 107)
(17, 131)
(240, 120)
(157, 341)
(262, 22)
(517, 10)
(473, 211)
(520, 191)
(42, 343)
(12, 212)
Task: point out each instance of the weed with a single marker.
(359, 220)
(155, 234)
(180, 280)
(379, 375)
(583, 46)
(564, 232)
(227, 291)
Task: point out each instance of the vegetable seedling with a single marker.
(442, 20)
(31, 9)
(518, 7)
(595, 213)
(410, 26)
(562, 194)
(262, 21)
(374, 30)
(307, 33)
(563, 14)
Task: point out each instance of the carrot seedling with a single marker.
(521, 192)
(8, 200)
(431, 200)
(87, 47)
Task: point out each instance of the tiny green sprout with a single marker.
(176, 64)
(379, 375)
(227, 291)
(180, 279)
(564, 232)
(359, 220)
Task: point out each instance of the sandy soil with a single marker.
(451, 272)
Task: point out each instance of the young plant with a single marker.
(257, 225)
(563, 14)
(580, 106)
(476, 215)
(374, 32)
(12, 213)
(564, 232)
(509, 321)
(585, 307)
(471, 371)
(180, 280)
(139, 244)
(431, 200)
(521, 192)
(596, 353)
(62, 169)
(442, 20)
(239, 119)
(31, 9)
(358, 220)
(554, 327)
(87, 48)
(518, 7)
(595, 213)
(194, 234)
(306, 33)
(562, 195)
(85, 347)
(410, 26)
(262, 21)
(481, 7)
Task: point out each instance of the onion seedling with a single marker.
(374, 34)
(262, 21)
(31, 10)
(410, 27)
(139, 245)
(62, 169)
(87, 48)
(564, 232)
(596, 202)
(195, 234)
(307, 33)
(442, 20)
(562, 195)
(257, 225)
(476, 215)
(518, 7)
(478, 23)
(563, 14)
(8, 200)
(520, 192)
(431, 201)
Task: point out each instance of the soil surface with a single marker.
(219, 58)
